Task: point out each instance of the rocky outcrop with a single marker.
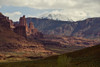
(34, 32)
(11, 24)
(22, 22)
(27, 31)
(13, 45)
(21, 30)
(31, 26)
(6, 21)
(22, 27)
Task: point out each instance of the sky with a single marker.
(74, 9)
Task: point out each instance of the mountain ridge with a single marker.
(78, 29)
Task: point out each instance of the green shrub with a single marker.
(64, 61)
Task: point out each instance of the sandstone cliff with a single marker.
(23, 29)
(14, 46)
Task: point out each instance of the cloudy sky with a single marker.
(74, 9)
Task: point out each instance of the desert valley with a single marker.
(50, 33)
(27, 40)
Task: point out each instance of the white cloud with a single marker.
(30, 16)
(75, 14)
(15, 15)
(76, 9)
(51, 4)
(68, 14)
(0, 7)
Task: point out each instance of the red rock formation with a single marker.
(31, 25)
(11, 24)
(37, 34)
(31, 28)
(33, 32)
(11, 42)
(22, 22)
(22, 29)
(6, 19)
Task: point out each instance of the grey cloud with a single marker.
(71, 8)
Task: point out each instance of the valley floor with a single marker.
(88, 57)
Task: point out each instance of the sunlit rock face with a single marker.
(27, 31)
(31, 27)
(22, 22)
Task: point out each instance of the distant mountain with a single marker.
(88, 28)
(55, 16)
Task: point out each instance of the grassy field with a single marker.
(89, 57)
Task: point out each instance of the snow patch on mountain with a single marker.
(64, 15)
(55, 16)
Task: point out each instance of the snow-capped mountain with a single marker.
(55, 16)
